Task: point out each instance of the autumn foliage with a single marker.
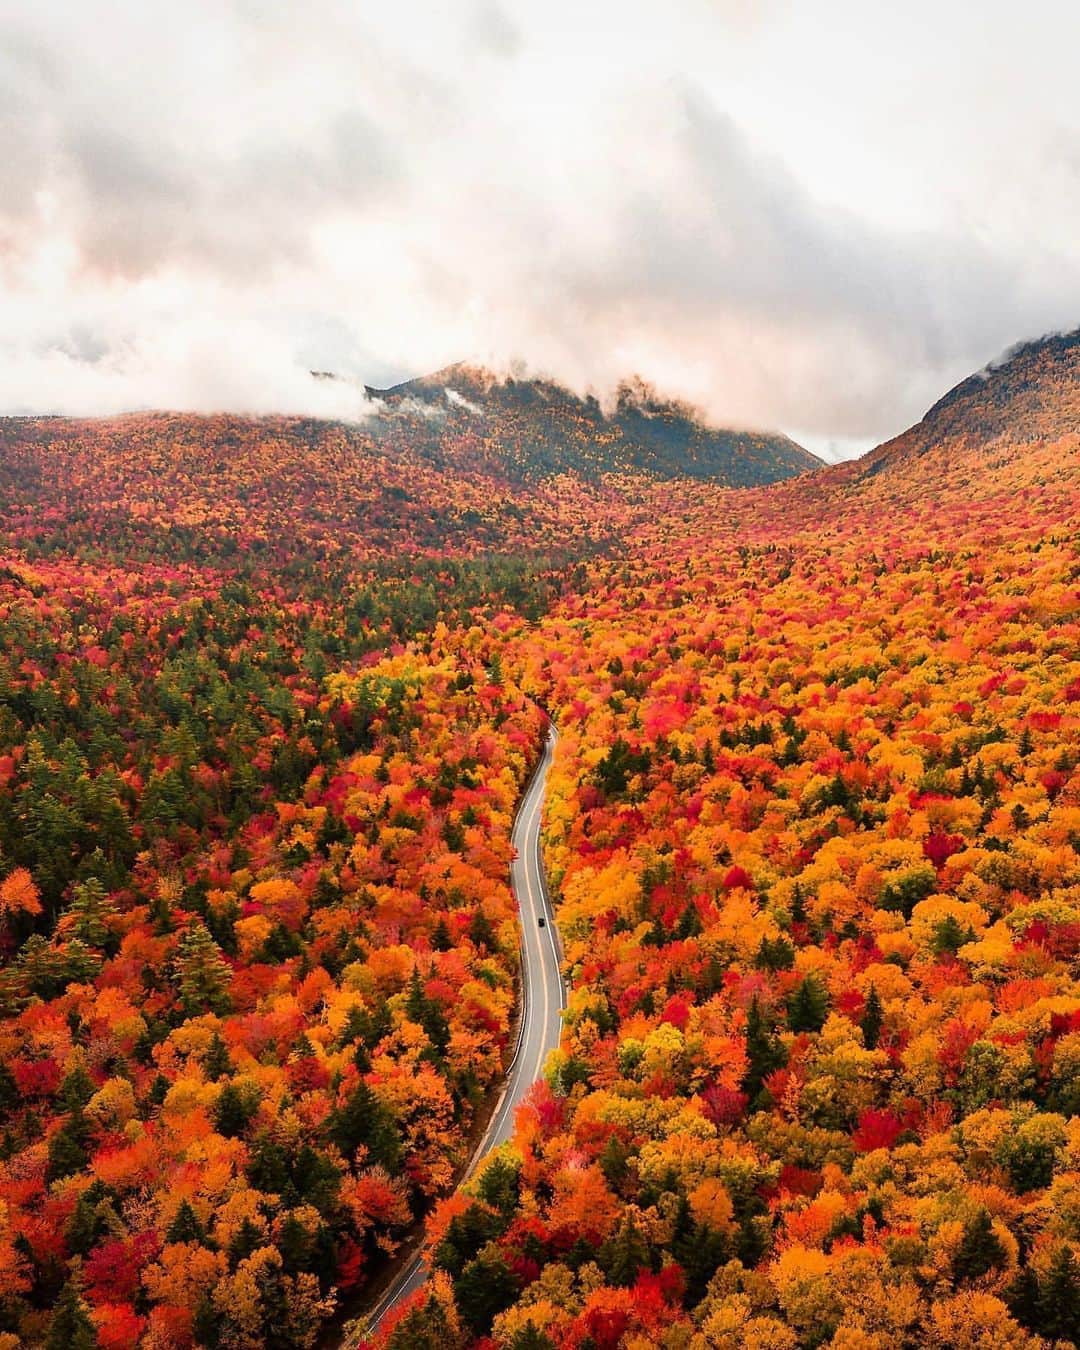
(814, 823)
(812, 830)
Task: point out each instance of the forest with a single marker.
(269, 693)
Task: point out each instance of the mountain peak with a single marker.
(1031, 393)
(535, 426)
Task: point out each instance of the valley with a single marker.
(279, 803)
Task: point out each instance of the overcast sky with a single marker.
(814, 215)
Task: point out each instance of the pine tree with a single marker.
(67, 1152)
(764, 1052)
(498, 1186)
(980, 1249)
(71, 1327)
(93, 1218)
(950, 936)
(1022, 1297)
(232, 1111)
(485, 1288)
(268, 1170)
(203, 974)
(186, 1227)
(873, 1019)
(698, 1249)
(77, 1088)
(425, 1012)
(247, 1239)
(424, 1328)
(625, 1255)
(481, 933)
(294, 1244)
(809, 1006)
(365, 1120)
(775, 955)
(615, 1161)
(216, 1061)
(1059, 1301)
(90, 914)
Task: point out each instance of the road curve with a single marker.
(543, 997)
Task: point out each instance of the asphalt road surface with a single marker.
(543, 998)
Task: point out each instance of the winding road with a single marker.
(543, 998)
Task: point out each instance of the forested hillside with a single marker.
(815, 826)
(269, 691)
(531, 428)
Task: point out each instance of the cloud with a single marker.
(816, 222)
(199, 365)
(495, 29)
(816, 312)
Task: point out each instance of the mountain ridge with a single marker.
(543, 426)
(1031, 393)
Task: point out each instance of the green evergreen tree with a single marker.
(481, 933)
(615, 1161)
(233, 1111)
(1022, 1297)
(764, 1052)
(466, 1235)
(316, 1178)
(949, 936)
(809, 1006)
(77, 1088)
(71, 1327)
(424, 1328)
(204, 977)
(498, 1186)
(363, 1119)
(186, 1227)
(775, 955)
(980, 1249)
(92, 913)
(427, 1014)
(247, 1239)
(625, 1255)
(1030, 1163)
(93, 1219)
(872, 1020)
(67, 1151)
(485, 1288)
(294, 1244)
(268, 1170)
(698, 1249)
(1059, 1299)
(216, 1061)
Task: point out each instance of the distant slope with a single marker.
(1031, 394)
(530, 428)
(280, 492)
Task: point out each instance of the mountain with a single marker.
(1031, 395)
(533, 428)
(460, 463)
